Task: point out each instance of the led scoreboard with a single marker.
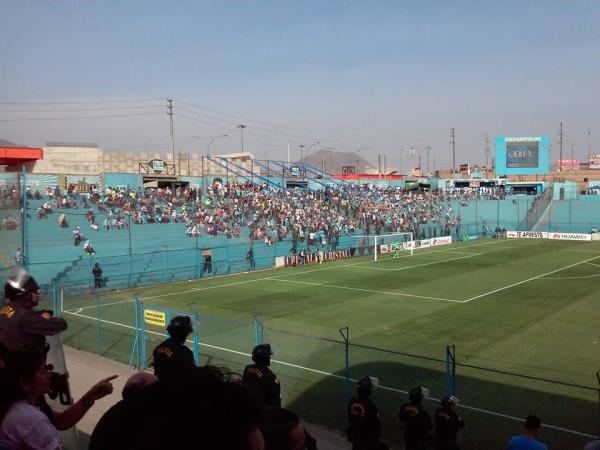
(525, 155)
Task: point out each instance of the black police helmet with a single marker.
(262, 354)
(19, 283)
(448, 401)
(367, 384)
(415, 395)
(180, 327)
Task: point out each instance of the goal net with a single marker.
(384, 245)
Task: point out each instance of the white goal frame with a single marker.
(375, 240)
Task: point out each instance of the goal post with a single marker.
(378, 245)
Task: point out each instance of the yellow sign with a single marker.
(155, 318)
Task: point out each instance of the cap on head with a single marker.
(19, 283)
(261, 354)
(180, 327)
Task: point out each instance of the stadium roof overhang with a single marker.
(17, 155)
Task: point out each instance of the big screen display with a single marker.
(521, 154)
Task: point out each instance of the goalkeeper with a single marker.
(396, 249)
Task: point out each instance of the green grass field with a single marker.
(524, 307)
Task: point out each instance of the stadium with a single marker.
(473, 287)
(299, 226)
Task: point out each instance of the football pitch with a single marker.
(523, 315)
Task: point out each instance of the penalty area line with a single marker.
(529, 279)
(340, 377)
(400, 294)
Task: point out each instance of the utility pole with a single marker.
(589, 144)
(301, 152)
(379, 165)
(241, 126)
(170, 114)
(453, 142)
(412, 160)
(487, 156)
(560, 140)
(384, 166)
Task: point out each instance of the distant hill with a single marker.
(334, 161)
(5, 143)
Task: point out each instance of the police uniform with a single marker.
(447, 424)
(22, 327)
(97, 271)
(418, 424)
(365, 426)
(264, 384)
(172, 357)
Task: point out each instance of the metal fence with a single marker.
(318, 373)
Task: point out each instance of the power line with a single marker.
(96, 102)
(2, 111)
(79, 118)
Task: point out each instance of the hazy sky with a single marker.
(372, 75)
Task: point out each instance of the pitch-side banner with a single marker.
(570, 236)
(526, 234)
(444, 240)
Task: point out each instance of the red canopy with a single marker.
(18, 155)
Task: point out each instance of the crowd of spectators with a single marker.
(263, 213)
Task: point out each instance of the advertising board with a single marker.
(526, 234)
(570, 236)
(444, 240)
(594, 161)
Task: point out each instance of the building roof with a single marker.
(19, 155)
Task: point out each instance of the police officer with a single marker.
(21, 326)
(416, 420)
(365, 427)
(97, 272)
(172, 356)
(260, 379)
(447, 424)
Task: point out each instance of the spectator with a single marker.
(116, 429)
(201, 408)
(19, 256)
(281, 430)
(528, 440)
(416, 420)
(364, 431)
(172, 356)
(87, 247)
(97, 272)
(261, 381)
(594, 445)
(447, 424)
(27, 420)
(21, 326)
(76, 236)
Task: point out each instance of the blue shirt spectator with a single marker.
(528, 440)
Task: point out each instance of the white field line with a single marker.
(419, 265)
(583, 277)
(578, 250)
(592, 264)
(339, 377)
(187, 291)
(529, 279)
(368, 290)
